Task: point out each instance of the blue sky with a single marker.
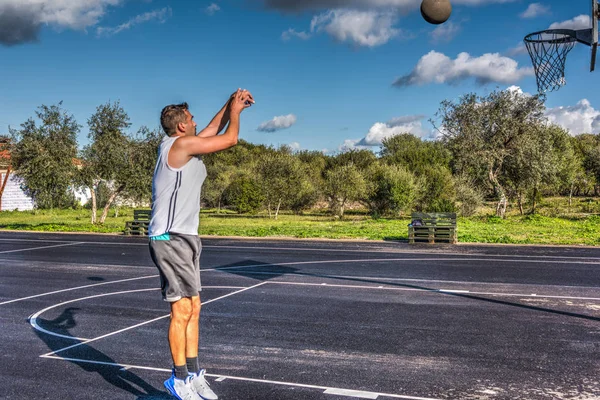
(322, 71)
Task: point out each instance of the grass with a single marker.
(555, 223)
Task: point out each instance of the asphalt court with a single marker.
(81, 317)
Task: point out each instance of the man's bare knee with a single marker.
(196, 305)
(182, 310)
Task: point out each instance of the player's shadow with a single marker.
(92, 360)
(265, 271)
(257, 270)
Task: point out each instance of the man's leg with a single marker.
(191, 350)
(192, 335)
(181, 314)
(180, 384)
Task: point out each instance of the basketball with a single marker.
(436, 11)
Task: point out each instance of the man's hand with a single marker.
(240, 100)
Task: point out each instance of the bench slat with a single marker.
(435, 227)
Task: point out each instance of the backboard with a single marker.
(549, 49)
(594, 44)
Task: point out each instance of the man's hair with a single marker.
(173, 115)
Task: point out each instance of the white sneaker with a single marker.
(202, 387)
(181, 389)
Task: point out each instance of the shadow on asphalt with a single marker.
(270, 271)
(123, 379)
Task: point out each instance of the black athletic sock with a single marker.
(181, 371)
(192, 365)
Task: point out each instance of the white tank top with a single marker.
(176, 194)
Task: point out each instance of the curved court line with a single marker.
(33, 318)
(86, 341)
(76, 288)
(326, 389)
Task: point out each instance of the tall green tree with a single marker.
(344, 183)
(43, 156)
(542, 160)
(483, 132)
(587, 146)
(142, 153)
(107, 157)
(282, 178)
(391, 189)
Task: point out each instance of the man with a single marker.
(174, 242)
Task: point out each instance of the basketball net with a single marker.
(548, 50)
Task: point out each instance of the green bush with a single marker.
(392, 189)
(437, 191)
(244, 195)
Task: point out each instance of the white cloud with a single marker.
(21, 20)
(277, 123)
(295, 146)
(444, 32)
(362, 28)
(407, 124)
(352, 144)
(436, 67)
(577, 119)
(579, 22)
(290, 33)
(212, 9)
(160, 15)
(382, 130)
(535, 10)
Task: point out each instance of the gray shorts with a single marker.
(177, 258)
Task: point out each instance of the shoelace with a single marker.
(189, 395)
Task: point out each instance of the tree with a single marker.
(219, 177)
(361, 159)
(282, 178)
(413, 153)
(342, 184)
(437, 190)
(107, 158)
(244, 194)
(482, 132)
(43, 156)
(391, 189)
(542, 159)
(587, 146)
(142, 153)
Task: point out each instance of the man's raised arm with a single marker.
(221, 119)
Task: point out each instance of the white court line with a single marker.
(451, 291)
(77, 288)
(33, 318)
(328, 249)
(386, 279)
(220, 378)
(36, 240)
(500, 260)
(42, 247)
(140, 324)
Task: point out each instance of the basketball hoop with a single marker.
(548, 50)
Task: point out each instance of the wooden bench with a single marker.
(140, 223)
(432, 227)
